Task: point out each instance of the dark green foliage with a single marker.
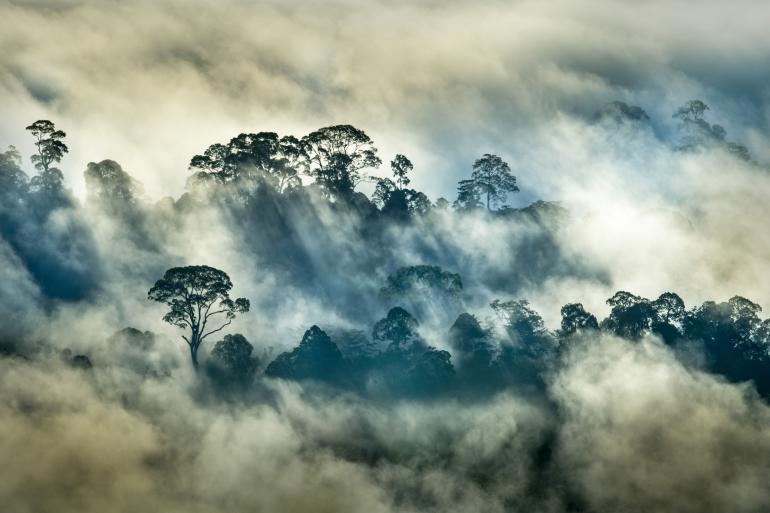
(13, 181)
(734, 338)
(475, 351)
(423, 278)
(529, 347)
(524, 326)
(431, 293)
(248, 160)
(49, 144)
(197, 294)
(574, 319)
(493, 179)
(468, 195)
(699, 133)
(231, 360)
(398, 332)
(316, 358)
(335, 155)
(431, 374)
(399, 202)
(633, 317)
(108, 185)
(58, 252)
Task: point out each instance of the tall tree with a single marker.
(401, 167)
(48, 140)
(575, 319)
(249, 157)
(335, 155)
(493, 179)
(197, 295)
(50, 150)
(468, 196)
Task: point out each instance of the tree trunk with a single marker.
(194, 357)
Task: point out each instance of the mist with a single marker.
(445, 256)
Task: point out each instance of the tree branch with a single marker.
(218, 329)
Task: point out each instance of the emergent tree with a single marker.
(196, 295)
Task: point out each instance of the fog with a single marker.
(396, 354)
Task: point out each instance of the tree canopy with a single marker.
(197, 295)
(335, 155)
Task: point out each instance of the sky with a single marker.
(151, 83)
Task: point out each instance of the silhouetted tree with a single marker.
(631, 316)
(574, 319)
(493, 179)
(49, 144)
(315, 358)
(468, 195)
(232, 361)
(49, 182)
(196, 295)
(394, 200)
(431, 373)
(401, 167)
(524, 326)
(248, 159)
(734, 338)
(108, 184)
(335, 156)
(419, 278)
(529, 347)
(13, 180)
(699, 132)
(398, 331)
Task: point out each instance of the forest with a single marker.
(389, 332)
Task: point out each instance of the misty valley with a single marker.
(302, 330)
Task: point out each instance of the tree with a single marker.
(315, 358)
(248, 158)
(524, 326)
(493, 179)
(399, 331)
(575, 319)
(401, 166)
(13, 181)
(335, 155)
(631, 316)
(393, 200)
(232, 360)
(50, 149)
(196, 295)
(691, 111)
(107, 183)
(701, 133)
(427, 282)
(48, 140)
(468, 195)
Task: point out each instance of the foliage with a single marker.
(197, 295)
(335, 155)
